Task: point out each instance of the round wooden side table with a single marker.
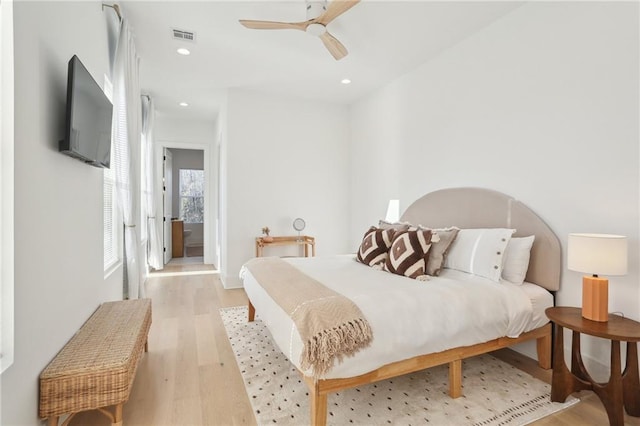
(622, 391)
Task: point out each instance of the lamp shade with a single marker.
(393, 211)
(597, 254)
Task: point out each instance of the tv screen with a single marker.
(88, 123)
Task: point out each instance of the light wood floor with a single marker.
(190, 376)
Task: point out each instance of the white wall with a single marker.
(185, 130)
(59, 274)
(541, 105)
(186, 133)
(285, 158)
(186, 159)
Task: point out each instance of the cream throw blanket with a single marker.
(330, 325)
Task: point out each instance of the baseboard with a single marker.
(229, 282)
(597, 369)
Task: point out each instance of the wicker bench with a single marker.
(96, 368)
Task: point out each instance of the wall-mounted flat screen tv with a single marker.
(88, 122)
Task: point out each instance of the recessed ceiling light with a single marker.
(345, 81)
(183, 51)
(183, 104)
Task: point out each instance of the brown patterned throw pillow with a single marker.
(375, 246)
(409, 253)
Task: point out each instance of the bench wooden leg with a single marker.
(117, 418)
(53, 421)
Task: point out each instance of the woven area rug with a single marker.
(495, 393)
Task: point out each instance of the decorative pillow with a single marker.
(516, 259)
(439, 249)
(408, 253)
(479, 251)
(397, 226)
(375, 246)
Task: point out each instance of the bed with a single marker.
(406, 339)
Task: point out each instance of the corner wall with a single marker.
(59, 272)
(541, 105)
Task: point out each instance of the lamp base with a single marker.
(595, 298)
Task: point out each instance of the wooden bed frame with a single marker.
(465, 208)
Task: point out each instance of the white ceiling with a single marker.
(385, 39)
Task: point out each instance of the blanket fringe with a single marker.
(322, 350)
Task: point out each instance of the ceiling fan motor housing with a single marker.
(315, 8)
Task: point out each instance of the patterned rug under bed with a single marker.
(495, 393)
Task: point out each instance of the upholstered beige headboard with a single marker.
(484, 208)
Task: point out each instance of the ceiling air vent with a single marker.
(183, 35)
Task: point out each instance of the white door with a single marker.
(167, 183)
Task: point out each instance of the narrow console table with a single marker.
(623, 389)
(303, 240)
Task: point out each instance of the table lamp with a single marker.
(393, 211)
(597, 254)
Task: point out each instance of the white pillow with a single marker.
(479, 251)
(516, 259)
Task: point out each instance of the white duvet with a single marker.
(408, 317)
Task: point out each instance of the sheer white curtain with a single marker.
(154, 256)
(6, 185)
(126, 129)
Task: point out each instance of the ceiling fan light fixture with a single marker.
(183, 51)
(316, 29)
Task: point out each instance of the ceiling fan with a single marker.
(319, 15)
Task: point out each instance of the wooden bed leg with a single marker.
(318, 401)
(543, 346)
(455, 378)
(252, 312)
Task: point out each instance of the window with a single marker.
(109, 212)
(192, 195)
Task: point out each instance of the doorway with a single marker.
(184, 205)
(167, 191)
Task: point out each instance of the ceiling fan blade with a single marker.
(270, 25)
(332, 44)
(335, 9)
